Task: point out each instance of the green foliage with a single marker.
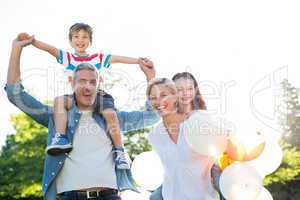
(290, 166)
(136, 142)
(284, 184)
(21, 160)
(288, 191)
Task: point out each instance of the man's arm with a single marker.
(15, 90)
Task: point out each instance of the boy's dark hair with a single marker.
(81, 26)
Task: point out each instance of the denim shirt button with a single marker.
(60, 163)
(46, 184)
(76, 120)
(53, 173)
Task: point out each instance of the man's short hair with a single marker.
(84, 66)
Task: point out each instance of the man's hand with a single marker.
(14, 73)
(147, 67)
(22, 40)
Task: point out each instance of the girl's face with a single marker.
(163, 99)
(80, 41)
(186, 90)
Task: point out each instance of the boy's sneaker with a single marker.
(59, 145)
(122, 160)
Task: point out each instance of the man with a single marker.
(88, 172)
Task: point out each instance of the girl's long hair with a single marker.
(198, 102)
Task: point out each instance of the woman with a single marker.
(187, 174)
(189, 100)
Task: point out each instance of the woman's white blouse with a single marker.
(187, 174)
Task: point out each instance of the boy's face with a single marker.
(80, 41)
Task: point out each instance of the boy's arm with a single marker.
(46, 47)
(123, 60)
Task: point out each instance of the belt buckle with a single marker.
(92, 194)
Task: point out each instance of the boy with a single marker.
(80, 38)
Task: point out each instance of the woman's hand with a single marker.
(147, 67)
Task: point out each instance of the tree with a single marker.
(284, 184)
(136, 142)
(21, 160)
(289, 116)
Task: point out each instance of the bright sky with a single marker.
(238, 50)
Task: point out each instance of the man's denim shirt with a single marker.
(43, 114)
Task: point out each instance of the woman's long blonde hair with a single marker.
(161, 81)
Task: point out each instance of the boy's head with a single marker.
(80, 37)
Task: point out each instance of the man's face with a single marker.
(85, 88)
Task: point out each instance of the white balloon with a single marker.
(204, 135)
(240, 181)
(147, 170)
(264, 195)
(269, 160)
(130, 195)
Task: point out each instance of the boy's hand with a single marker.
(146, 62)
(147, 67)
(22, 40)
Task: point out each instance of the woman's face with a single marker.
(163, 99)
(186, 90)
